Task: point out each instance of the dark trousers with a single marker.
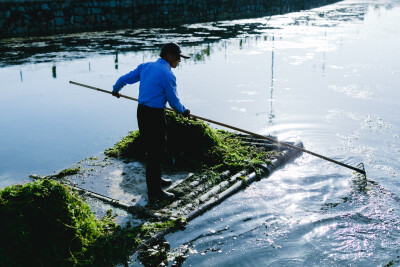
(153, 129)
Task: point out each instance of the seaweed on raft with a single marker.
(49, 225)
(68, 172)
(192, 143)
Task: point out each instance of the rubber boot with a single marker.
(162, 195)
(165, 182)
(153, 181)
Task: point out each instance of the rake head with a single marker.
(361, 169)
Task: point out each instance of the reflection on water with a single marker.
(53, 70)
(116, 60)
(327, 76)
(271, 115)
(74, 46)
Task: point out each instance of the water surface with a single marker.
(327, 76)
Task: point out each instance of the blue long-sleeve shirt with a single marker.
(157, 85)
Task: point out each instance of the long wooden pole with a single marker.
(362, 171)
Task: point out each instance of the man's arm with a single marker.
(172, 95)
(130, 78)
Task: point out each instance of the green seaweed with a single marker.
(129, 146)
(49, 225)
(234, 155)
(67, 172)
(192, 143)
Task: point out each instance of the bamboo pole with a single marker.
(359, 170)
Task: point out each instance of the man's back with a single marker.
(157, 85)
(154, 77)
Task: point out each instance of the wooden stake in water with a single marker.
(359, 170)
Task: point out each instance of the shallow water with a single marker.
(328, 76)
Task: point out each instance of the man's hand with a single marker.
(116, 94)
(186, 113)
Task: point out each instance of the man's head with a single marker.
(172, 53)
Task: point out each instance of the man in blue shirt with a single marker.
(157, 87)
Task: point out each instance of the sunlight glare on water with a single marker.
(311, 212)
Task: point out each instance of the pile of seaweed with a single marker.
(44, 224)
(192, 143)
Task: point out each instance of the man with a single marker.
(157, 86)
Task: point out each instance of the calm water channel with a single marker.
(328, 76)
